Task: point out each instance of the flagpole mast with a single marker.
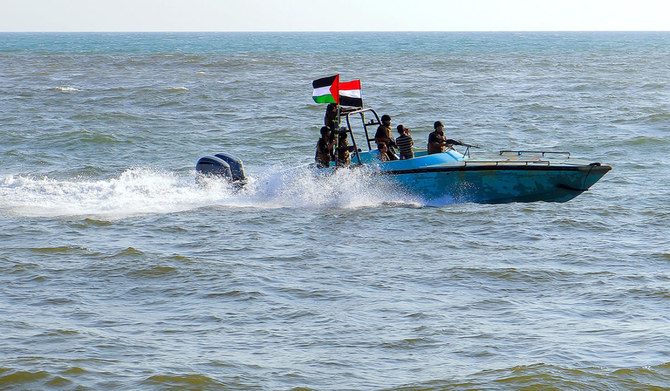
(336, 124)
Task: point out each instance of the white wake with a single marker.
(139, 191)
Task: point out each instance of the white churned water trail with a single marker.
(139, 191)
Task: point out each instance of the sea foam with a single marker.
(138, 191)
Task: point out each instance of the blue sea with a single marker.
(119, 272)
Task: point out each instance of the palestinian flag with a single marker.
(350, 94)
(326, 90)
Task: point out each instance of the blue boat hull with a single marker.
(451, 177)
(497, 184)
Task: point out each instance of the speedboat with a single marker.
(451, 176)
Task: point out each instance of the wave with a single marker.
(76, 137)
(66, 89)
(61, 249)
(533, 376)
(547, 376)
(176, 89)
(140, 191)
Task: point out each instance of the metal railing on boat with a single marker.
(520, 158)
(467, 163)
(542, 153)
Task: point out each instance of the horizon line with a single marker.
(330, 31)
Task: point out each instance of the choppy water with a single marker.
(117, 271)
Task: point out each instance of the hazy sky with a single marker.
(339, 15)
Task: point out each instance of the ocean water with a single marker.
(118, 271)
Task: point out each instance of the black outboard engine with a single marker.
(223, 165)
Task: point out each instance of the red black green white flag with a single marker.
(330, 90)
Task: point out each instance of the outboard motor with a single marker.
(223, 165)
(236, 167)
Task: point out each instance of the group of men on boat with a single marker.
(388, 147)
